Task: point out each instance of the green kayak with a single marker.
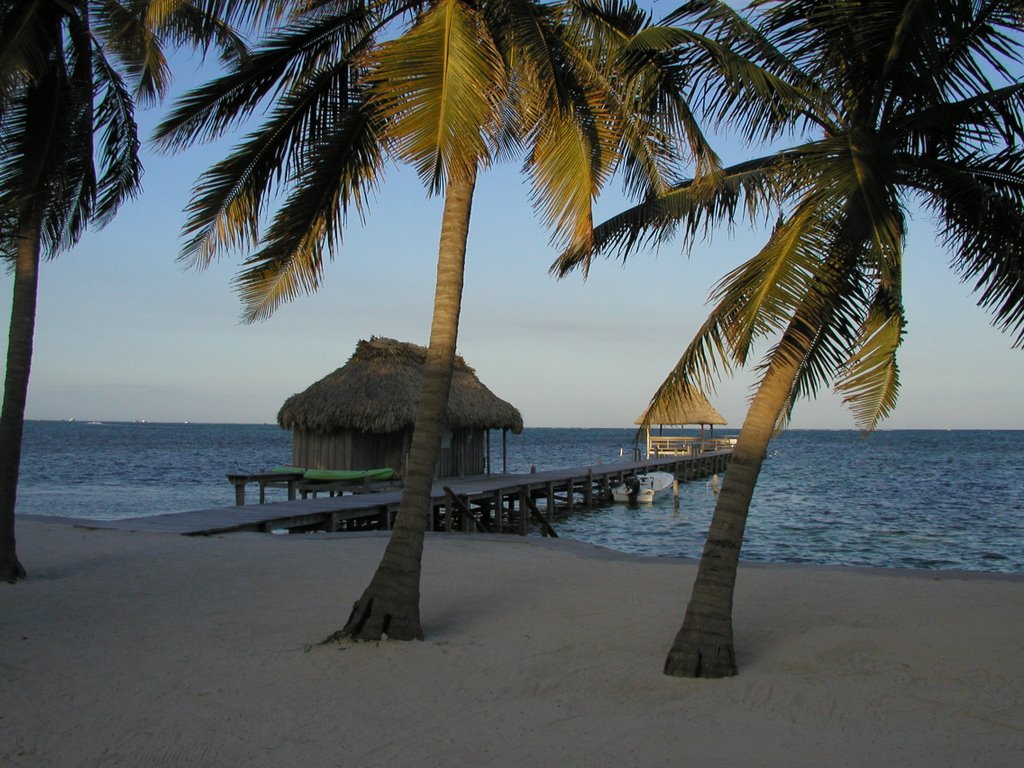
(348, 475)
(338, 475)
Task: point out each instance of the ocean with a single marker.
(927, 499)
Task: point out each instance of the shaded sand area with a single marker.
(158, 650)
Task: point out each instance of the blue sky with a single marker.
(125, 332)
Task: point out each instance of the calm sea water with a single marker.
(913, 499)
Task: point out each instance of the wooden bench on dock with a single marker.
(290, 480)
(308, 483)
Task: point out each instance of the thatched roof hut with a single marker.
(684, 407)
(692, 408)
(361, 415)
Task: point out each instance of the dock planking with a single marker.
(292, 514)
(488, 502)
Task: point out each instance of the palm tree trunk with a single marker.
(19, 363)
(391, 603)
(704, 644)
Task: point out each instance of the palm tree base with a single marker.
(373, 619)
(695, 656)
(12, 571)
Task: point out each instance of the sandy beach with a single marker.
(128, 649)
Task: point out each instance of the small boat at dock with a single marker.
(643, 488)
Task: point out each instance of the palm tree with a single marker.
(447, 86)
(897, 102)
(63, 70)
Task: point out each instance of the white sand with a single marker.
(158, 650)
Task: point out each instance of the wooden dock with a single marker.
(491, 503)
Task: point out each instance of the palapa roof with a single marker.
(689, 408)
(378, 390)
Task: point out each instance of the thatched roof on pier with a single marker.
(378, 389)
(690, 408)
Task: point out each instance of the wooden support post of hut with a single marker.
(361, 416)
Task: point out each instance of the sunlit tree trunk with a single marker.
(391, 603)
(704, 644)
(12, 417)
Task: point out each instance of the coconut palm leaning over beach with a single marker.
(448, 87)
(70, 73)
(904, 103)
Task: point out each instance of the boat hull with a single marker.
(643, 488)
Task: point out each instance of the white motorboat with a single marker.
(643, 488)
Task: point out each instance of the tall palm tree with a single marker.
(70, 72)
(447, 86)
(898, 102)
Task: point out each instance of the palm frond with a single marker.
(852, 177)
(955, 128)
(742, 93)
(340, 168)
(979, 201)
(203, 25)
(650, 90)
(134, 34)
(440, 88)
(230, 198)
(717, 20)
(869, 382)
(569, 164)
(534, 33)
(705, 361)
(835, 333)
(258, 15)
(821, 331)
(769, 288)
(49, 162)
(15, 143)
(29, 30)
(127, 38)
(212, 109)
(690, 209)
(982, 42)
(121, 174)
(47, 170)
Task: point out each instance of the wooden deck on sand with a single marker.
(494, 503)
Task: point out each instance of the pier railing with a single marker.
(678, 445)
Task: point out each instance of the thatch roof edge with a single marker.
(377, 391)
(682, 409)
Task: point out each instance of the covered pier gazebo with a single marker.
(689, 408)
(361, 416)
